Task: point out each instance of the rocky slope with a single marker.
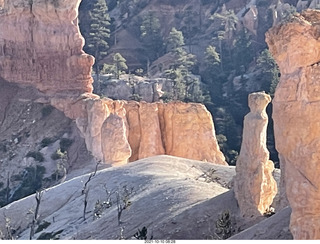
(173, 198)
(31, 132)
(42, 64)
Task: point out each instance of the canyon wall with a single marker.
(254, 184)
(296, 112)
(41, 46)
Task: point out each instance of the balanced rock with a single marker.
(295, 46)
(254, 185)
(41, 45)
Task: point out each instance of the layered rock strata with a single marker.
(121, 131)
(254, 184)
(41, 45)
(295, 46)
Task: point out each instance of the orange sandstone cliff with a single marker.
(41, 46)
(296, 112)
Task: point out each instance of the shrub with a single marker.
(58, 155)
(43, 226)
(38, 156)
(46, 142)
(65, 143)
(223, 225)
(31, 182)
(45, 111)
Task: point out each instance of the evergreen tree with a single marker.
(97, 40)
(175, 40)
(212, 59)
(117, 67)
(186, 86)
(242, 52)
(150, 34)
(269, 71)
(120, 64)
(228, 21)
(190, 25)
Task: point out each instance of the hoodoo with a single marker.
(255, 186)
(296, 112)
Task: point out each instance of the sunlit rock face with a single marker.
(296, 112)
(144, 129)
(41, 45)
(255, 187)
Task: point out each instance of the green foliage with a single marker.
(65, 143)
(98, 35)
(212, 58)
(31, 182)
(136, 97)
(119, 63)
(223, 225)
(175, 40)
(46, 111)
(243, 53)
(58, 154)
(38, 156)
(47, 141)
(288, 14)
(190, 26)
(150, 35)
(117, 68)
(42, 226)
(227, 20)
(142, 234)
(269, 71)
(186, 86)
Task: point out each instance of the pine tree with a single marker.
(175, 40)
(97, 40)
(120, 64)
(242, 52)
(212, 59)
(269, 71)
(151, 38)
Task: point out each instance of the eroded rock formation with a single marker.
(41, 45)
(296, 112)
(254, 185)
(143, 129)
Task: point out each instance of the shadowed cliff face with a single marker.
(296, 112)
(40, 45)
